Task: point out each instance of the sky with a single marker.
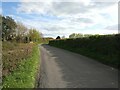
(63, 18)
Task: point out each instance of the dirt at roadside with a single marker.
(13, 54)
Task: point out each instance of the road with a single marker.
(63, 69)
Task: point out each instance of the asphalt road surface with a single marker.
(63, 69)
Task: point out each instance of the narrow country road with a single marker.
(64, 69)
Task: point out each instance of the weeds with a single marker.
(23, 76)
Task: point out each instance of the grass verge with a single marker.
(25, 75)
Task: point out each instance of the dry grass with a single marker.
(13, 54)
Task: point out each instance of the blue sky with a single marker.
(63, 18)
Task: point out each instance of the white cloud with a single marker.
(113, 27)
(76, 17)
(85, 1)
(59, 8)
(29, 7)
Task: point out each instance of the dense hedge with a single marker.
(104, 48)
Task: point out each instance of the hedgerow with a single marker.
(103, 48)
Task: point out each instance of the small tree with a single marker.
(58, 37)
(8, 27)
(76, 35)
(72, 35)
(87, 35)
(21, 32)
(34, 35)
(63, 37)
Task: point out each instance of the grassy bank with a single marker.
(13, 54)
(24, 73)
(103, 48)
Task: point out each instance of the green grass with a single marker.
(13, 54)
(25, 75)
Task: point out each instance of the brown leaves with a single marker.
(12, 57)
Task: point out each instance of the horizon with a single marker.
(64, 18)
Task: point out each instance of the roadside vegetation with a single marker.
(13, 54)
(103, 48)
(20, 66)
(20, 53)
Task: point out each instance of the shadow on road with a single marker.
(81, 72)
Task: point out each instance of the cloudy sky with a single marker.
(54, 18)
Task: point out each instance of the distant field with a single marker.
(20, 63)
(103, 48)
